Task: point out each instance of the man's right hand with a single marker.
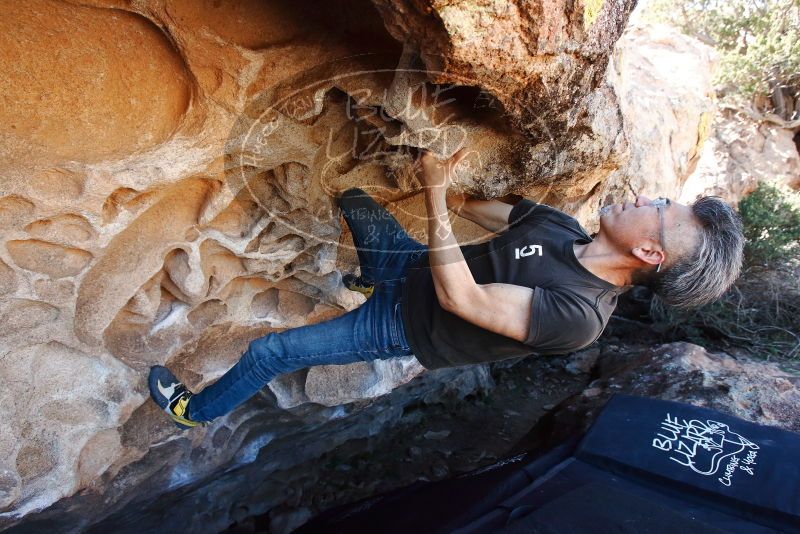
(438, 174)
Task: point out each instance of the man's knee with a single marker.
(351, 194)
(268, 355)
(260, 354)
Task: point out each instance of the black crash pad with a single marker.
(645, 466)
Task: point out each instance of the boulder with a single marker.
(167, 172)
(741, 152)
(762, 392)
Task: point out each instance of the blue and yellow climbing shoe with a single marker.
(356, 283)
(171, 396)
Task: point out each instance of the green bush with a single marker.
(758, 41)
(771, 221)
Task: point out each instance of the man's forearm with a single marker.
(451, 275)
(489, 214)
(456, 201)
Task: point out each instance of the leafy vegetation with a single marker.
(771, 220)
(759, 45)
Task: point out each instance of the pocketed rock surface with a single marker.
(167, 172)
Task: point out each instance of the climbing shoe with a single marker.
(171, 396)
(356, 283)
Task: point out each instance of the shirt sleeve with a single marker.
(527, 212)
(523, 211)
(561, 322)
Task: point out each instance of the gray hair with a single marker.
(703, 275)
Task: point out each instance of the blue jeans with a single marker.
(372, 331)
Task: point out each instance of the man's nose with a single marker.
(642, 200)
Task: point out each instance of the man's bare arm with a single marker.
(490, 214)
(501, 308)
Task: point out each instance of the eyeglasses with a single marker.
(660, 203)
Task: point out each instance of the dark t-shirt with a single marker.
(570, 309)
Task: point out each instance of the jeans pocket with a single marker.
(396, 327)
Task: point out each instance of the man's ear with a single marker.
(649, 255)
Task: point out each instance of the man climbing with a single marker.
(540, 286)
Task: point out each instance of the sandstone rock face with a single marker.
(99, 85)
(663, 86)
(540, 60)
(756, 391)
(740, 153)
(167, 170)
